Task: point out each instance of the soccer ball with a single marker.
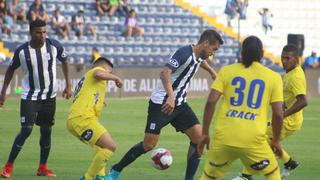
(161, 158)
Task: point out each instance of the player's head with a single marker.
(38, 31)
(289, 57)
(209, 43)
(57, 12)
(252, 50)
(94, 49)
(132, 13)
(38, 2)
(104, 62)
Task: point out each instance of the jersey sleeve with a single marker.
(298, 86)
(176, 60)
(15, 62)
(218, 83)
(277, 89)
(61, 54)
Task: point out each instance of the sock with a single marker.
(18, 143)
(192, 162)
(45, 144)
(102, 172)
(285, 156)
(136, 151)
(99, 162)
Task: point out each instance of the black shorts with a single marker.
(39, 112)
(181, 119)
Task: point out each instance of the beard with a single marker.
(203, 55)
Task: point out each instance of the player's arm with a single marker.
(67, 93)
(165, 76)
(105, 75)
(15, 63)
(277, 118)
(207, 118)
(7, 78)
(297, 106)
(204, 64)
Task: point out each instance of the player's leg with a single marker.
(28, 111)
(187, 122)
(194, 133)
(104, 148)
(45, 120)
(91, 132)
(155, 121)
(218, 161)
(289, 163)
(148, 143)
(260, 160)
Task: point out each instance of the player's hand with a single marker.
(168, 107)
(119, 82)
(67, 93)
(2, 100)
(276, 148)
(205, 141)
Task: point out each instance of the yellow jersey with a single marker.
(294, 85)
(89, 96)
(247, 93)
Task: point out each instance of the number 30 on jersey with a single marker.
(254, 96)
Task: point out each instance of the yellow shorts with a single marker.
(88, 130)
(259, 160)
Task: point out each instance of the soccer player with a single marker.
(247, 89)
(84, 113)
(168, 102)
(294, 101)
(38, 59)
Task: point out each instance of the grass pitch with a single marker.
(125, 119)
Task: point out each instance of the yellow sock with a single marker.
(285, 156)
(99, 162)
(275, 175)
(102, 172)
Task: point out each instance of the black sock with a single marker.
(18, 143)
(136, 151)
(192, 162)
(45, 144)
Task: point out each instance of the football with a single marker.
(161, 158)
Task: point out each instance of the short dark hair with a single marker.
(103, 59)
(210, 35)
(132, 11)
(36, 23)
(252, 50)
(291, 48)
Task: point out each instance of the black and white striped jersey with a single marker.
(39, 69)
(184, 66)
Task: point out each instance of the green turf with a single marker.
(125, 120)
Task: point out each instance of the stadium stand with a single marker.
(303, 20)
(167, 26)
